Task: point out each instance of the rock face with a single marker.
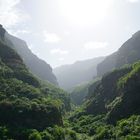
(2, 32)
(117, 94)
(37, 66)
(127, 54)
(78, 73)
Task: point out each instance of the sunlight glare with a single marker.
(84, 12)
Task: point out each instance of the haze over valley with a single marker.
(69, 70)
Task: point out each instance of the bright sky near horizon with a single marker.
(64, 31)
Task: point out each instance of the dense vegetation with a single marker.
(26, 103)
(112, 108)
(82, 92)
(31, 109)
(96, 127)
(117, 94)
(79, 93)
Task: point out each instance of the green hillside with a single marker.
(107, 108)
(25, 102)
(112, 108)
(117, 94)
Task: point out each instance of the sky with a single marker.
(64, 31)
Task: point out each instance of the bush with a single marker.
(35, 136)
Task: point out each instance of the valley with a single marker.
(95, 99)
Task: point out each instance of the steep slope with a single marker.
(127, 54)
(80, 72)
(112, 108)
(107, 64)
(117, 94)
(19, 89)
(25, 103)
(79, 93)
(37, 66)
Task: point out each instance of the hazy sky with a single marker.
(64, 31)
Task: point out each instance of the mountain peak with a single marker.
(37, 66)
(128, 53)
(137, 34)
(2, 32)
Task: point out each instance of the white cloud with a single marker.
(59, 51)
(23, 32)
(51, 37)
(133, 1)
(61, 59)
(66, 33)
(19, 32)
(95, 45)
(9, 14)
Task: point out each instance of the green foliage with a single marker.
(4, 135)
(135, 70)
(130, 126)
(82, 92)
(86, 123)
(32, 110)
(55, 93)
(35, 136)
(79, 94)
(98, 129)
(26, 103)
(116, 94)
(46, 135)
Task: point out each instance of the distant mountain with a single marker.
(74, 74)
(128, 53)
(37, 66)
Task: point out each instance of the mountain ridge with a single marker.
(128, 53)
(36, 65)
